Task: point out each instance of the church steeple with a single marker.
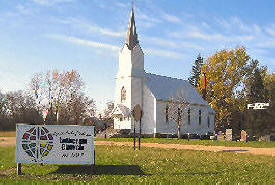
(131, 38)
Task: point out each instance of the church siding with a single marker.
(194, 128)
(125, 64)
(161, 124)
(148, 121)
(136, 94)
(122, 82)
(137, 59)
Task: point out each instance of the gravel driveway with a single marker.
(11, 141)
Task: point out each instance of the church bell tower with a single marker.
(129, 79)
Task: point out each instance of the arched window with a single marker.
(166, 113)
(123, 94)
(189, 116)
(200, 117)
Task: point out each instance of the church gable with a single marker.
(121, 110)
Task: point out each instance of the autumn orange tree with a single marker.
(225, 73)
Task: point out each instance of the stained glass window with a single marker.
(200, 117)
(123, 94)
(188, 112)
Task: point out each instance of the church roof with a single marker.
(165, 88)
(131, 38)
(121, 109)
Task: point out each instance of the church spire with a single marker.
(131, 38)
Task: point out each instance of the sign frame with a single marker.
(76, 128)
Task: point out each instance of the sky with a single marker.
(86, 35)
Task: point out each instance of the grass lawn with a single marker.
(122, 165)
(7, 134)
(256, 144)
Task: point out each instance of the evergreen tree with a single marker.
(258, 92)
(196, 71)
(259, 122)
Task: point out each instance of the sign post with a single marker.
(18, 167)
(134, 135)
(54, 144)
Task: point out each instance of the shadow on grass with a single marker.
(116, 170)
(100, 170)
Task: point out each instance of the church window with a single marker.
(208, 121)
(121, 119)
(200, 117)
(123, 94)
(166, 113)
(188, 113)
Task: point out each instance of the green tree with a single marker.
(196, 71)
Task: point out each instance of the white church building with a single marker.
(153, 92)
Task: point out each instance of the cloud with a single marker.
(51, 2)
(91, 27)
(23, 10)
(143, 16)
(270, 29)
(270, 43)
(105, 31)
(122, 5)
(171, 18)
(146, 20)
(83, 42)
(159, 41)
(219, 37)
(176, 43)
(236, 24)
(163, 53)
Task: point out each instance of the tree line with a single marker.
(233, 80)
(60, 93)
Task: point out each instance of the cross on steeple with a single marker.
(131, 38)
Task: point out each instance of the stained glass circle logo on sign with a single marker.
(37, 142)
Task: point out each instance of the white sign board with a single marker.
(55, 144)
(258, 105)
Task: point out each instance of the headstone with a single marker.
(228, 135)
(220, 136)
(265, 138)
(243, 135)
(212, 137)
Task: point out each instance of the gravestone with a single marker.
(228, 135)
(220, 136)
(243, 135)
(265, 138)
